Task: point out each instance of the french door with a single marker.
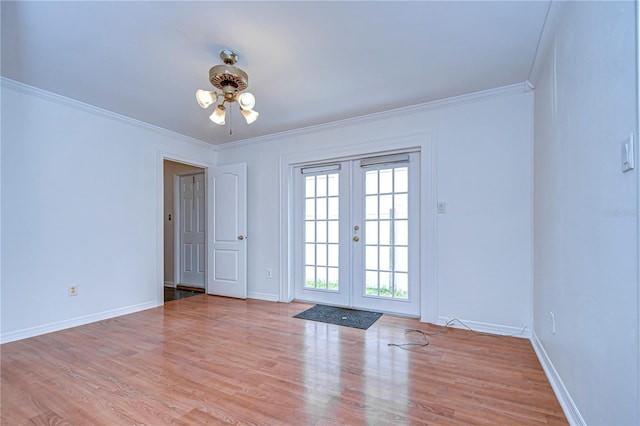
(356, 233)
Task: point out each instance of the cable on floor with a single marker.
(426, 335)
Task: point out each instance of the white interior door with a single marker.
(192, 230)
(227, 231)
(357, 233)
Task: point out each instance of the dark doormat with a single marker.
(340, 316)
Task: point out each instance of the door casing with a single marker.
(208, 171)
(161, 157)
(351, 257)
(426, 144)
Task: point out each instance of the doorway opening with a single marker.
(184, 230)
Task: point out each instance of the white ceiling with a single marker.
(308, 62)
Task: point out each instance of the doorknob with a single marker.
(241, 237)
(356, 238)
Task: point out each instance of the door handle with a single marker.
(241, 237)
(356, 238)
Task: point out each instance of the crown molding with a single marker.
(512, 89)
(423, 107)
(63, 100)
(551, 20)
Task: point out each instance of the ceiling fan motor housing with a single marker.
(230, 79)
(222, 76)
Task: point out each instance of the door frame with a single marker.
(161, 156)
(425, 143)
(177, 218)
(351, 174)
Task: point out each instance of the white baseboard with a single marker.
(169, 284)
(263, 296)
(483, 327)
(564, 398)
(12, 336)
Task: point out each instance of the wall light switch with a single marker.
(442, 207)
(628, 162)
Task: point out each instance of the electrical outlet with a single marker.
(269, 273)
(73, 290)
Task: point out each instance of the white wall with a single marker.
(99, 226)
(82, 204)
(586, 217)
(484, 174)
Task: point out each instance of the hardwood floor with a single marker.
(212, 360)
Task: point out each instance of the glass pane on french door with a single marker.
(385, 260)
(387, 233)
(321, 233)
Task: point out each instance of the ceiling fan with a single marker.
(233, 82)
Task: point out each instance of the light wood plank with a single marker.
(212, 360)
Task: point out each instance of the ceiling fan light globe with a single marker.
(246, 100)
(205, 97)
(218, 115)
(250, 115)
